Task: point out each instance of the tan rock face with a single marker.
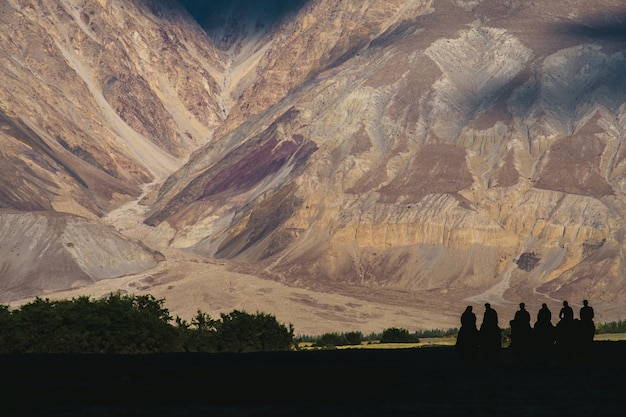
(107, 95)
(98, 98)
(418, 154)
(43, 251)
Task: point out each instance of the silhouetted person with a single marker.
(566, 312)
(468, 318)
(587, 327)
(521, 332)
(490, 316)
(544, 333)
(586, 312)
(567, 332)
(490, 335)
(544, 315)
(467, 342)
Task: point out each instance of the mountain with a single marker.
(342, 164)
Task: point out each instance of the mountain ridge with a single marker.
(413, 154)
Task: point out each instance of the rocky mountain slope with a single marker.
(373, 163)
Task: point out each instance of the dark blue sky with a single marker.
(209, 12)
(226, 20)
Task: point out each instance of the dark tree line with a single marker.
(612, 327)
(389, 335)
(124, 324)
(332, 340)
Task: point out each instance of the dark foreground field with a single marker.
(404, 382)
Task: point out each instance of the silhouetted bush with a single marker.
(306, 338)
(199, 336)
(396, 335)
(354, 338)
(132, 324)
(437, 333)
(242, 332)
(612, 327)
(117, 324)
(505, 337)
(331, 340)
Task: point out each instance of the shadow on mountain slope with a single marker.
(597, 27)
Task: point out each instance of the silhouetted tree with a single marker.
(239, 331)
(199, 336)
(5, 323)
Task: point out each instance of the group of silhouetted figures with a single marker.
(570, 338)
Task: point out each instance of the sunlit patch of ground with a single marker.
(437, 341)
(610, 336)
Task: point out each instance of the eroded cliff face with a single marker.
(43, 252)
(446, 145)
(443, 151)
(98, 98)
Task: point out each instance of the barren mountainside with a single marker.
(341, 164)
